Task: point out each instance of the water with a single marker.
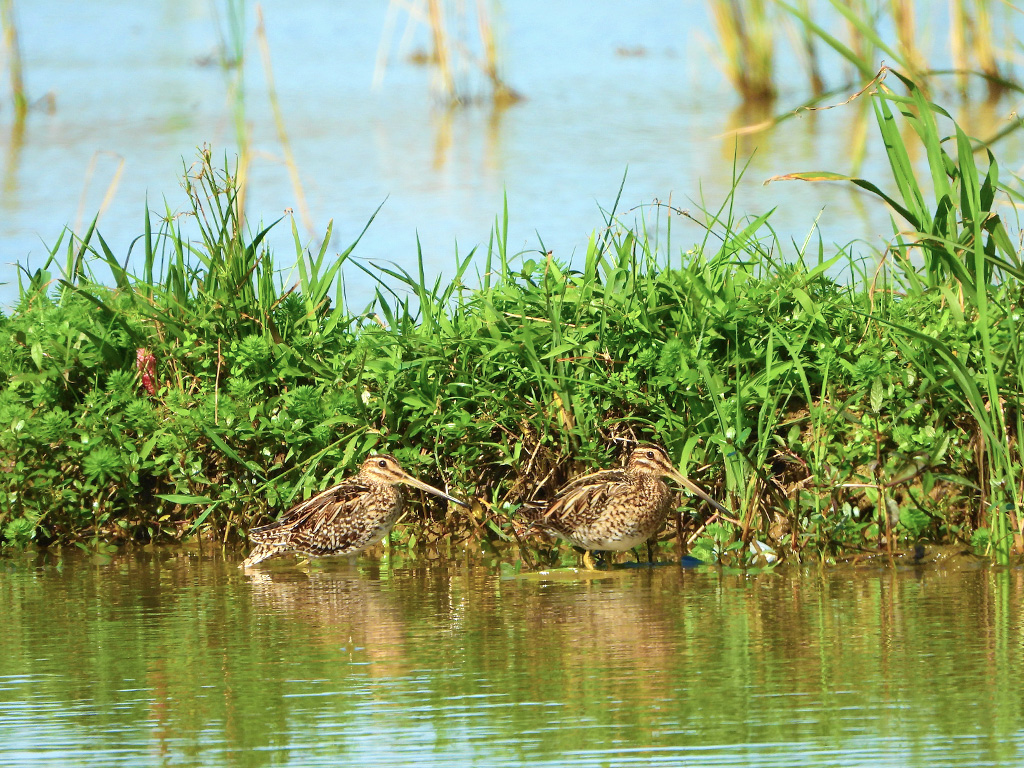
(173, 658)
(608, 86)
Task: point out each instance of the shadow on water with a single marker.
(172, 657)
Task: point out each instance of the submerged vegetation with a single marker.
(837, 416)
(459, 58)
(459, 45)
(861, 34)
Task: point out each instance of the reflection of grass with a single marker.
(446, 659)
(831, 417)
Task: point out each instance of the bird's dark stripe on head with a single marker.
(657, 460)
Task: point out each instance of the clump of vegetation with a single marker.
(861, 34)
(201, 396)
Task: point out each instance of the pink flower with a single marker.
(146, 365)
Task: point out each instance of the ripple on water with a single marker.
(172, 662)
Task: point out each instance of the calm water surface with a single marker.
(173, 658)
(609, 86)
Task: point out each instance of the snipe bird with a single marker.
(346, 518)
(615, 509)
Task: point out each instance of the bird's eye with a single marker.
(650, 454)
(382, 463)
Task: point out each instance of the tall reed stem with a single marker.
(14, 65)
(746, 36)
(282, 133)
(442, 56)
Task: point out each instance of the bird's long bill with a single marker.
(410, 480)
(696, 490)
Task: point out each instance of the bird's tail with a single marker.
(261, 552)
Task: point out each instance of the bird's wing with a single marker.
(581, 501)
(341, 524)
(315, 512)
(601, 477)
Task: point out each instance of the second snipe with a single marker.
(615, 509)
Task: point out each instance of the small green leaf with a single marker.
(877, 393)
(181, 498)
(201, 519)
(147, 447)
(37, 354)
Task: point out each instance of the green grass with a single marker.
(838, 417)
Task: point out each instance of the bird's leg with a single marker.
(588, 560)
(650, 551)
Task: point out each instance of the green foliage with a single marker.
(833, 418)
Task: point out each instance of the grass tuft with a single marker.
(838, 419)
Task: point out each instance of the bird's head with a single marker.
(652, 460)
(384, 469)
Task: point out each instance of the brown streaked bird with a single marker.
(615, 509)
(346, 518)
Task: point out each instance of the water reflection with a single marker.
(177, 657)
(337, 610)
(12, 161)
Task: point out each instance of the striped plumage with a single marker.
(343, 520)
(615, 509)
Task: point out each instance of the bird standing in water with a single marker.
(346, 518)
(616, 509)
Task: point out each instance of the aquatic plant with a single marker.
(958, 248)
(453, 58)
(746, 35)
(12, 53)
(863, 34)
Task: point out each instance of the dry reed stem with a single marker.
(958, 43)
(108, 196)
(451, 54)
(242, 183)
(903, 18)
(416, 14)
(502, 93)
(983, 47)
(746, 37)
(490, 65)
(439, 34)
(983, 36)
(233, 57)
(14, 65)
